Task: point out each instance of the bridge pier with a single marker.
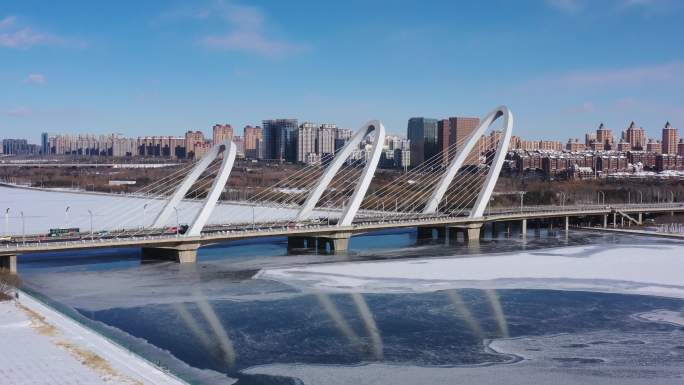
(605, 220)
(337, 242)
(523, 228)
(183, 253)
(641, 218)
(9, 263)
(471, 232)
(567, 224)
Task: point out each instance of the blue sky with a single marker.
(163, 67)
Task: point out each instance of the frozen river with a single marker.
(586, 309)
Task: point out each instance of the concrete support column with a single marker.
(507, 227)
(614, 220)
(567, 224)
(9, 263)
(495, 231)
(338, 242)
(182, 253)
(523, 228)
(605, 221)
(473, 234)
(641, 218)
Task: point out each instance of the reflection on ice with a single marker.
(369, 323)
(494, 302)
(460, 306)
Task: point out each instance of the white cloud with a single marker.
(19, 112)
(658, 73)
(7, 22)
(36, 79)
(13, 35)
(252, 42)
(245, 29)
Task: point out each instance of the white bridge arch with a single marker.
(229, 151)
(349, 212)
(494, 169)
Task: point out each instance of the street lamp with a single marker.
(7, 221)
(562, 194)
(90, 213)
(177, 220)
(144, 213)
(522, 195)
(66, 216)
(23, 228)
(641, 197)
(253, 218)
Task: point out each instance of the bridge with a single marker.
(322, 206)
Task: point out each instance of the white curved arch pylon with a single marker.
(229, 151)
(494, 169)
(352, 207)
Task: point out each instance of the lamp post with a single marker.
(253, 219)
(563, 197)
(144, 213)
(671, 196)
(641, 197)
(66, 216)
(522, 196)
(90, 213)
(7, 221)
(23, 228)
(177, 220)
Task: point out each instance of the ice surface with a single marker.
(48, 209)
(664, 316)
(654, 269)
(596, 358)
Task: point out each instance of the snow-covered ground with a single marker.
(41, 346)
(653, 269)
(44, 210)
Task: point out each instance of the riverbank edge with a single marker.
(121, 359)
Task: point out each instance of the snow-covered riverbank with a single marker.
(42, 346)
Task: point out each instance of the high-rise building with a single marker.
(341, 137)
(670, 139)
(635, 136)
(654, 146)
(444, 138)
(680, 147)
(306, 141)
(253, 142)
(325, 145)
(422, 132)
(239, 146)
(44, 143)
(221, 133)
(624, 146)
(460, 129)
(574, 145)
(604, 135)
(589, 139)
(280, 139)
(194, 143)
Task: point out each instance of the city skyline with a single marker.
(178, 67)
